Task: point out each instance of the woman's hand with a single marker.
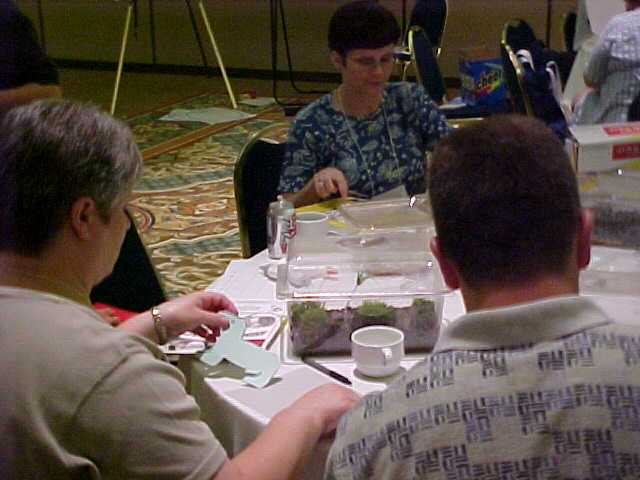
(196, 312)
(329, 181)
(323, 184)
(190, 312)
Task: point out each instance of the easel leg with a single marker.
(43, 42)
(205, 18)
(192, 18)
(123, 49)
(152, 32)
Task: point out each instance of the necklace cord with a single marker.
(354, 138)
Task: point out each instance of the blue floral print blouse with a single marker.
(363, 150)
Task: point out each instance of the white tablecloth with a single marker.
(237, 413)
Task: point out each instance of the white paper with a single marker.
(259, 365)
(258, 102)
(209, 116)
(243, 280)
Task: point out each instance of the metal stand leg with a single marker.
(205, 18)
(548, 32)
(43, 41)
(192, 18)
(152, 32)
(123, 49)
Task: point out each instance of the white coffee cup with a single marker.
(312, 225)
(377, 350)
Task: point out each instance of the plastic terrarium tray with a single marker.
(614, 198)
(322, 324)
(388, 214)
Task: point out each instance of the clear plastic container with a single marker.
(329, 295)
(356, 250)
(379, 273)
(388, 214)
(322, 325)
(612, 271)
(614, 197)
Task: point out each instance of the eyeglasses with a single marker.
(369, 63)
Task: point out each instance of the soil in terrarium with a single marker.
(616, 227)
(320, 331)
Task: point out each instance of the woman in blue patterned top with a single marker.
(368, 136)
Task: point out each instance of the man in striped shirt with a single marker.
(613, 71)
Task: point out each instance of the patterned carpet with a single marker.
(184, 204)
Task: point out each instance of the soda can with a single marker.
(281, 227)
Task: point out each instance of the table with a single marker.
(238, 413)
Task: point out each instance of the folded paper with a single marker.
(259, 365)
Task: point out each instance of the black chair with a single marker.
(569, 30)
(426, 64)
(431, 16)
(518, 34)
(134, 284)
(255, 179)
(529, 89)
(634, 110)
(515, 35)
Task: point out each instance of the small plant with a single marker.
(375, 313)
(312, 326)
(423, 308)
(310, 316)
(375, 309)
(320, 331)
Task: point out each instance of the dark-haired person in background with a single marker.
(534, 381)
(26, 73)
(368, 136)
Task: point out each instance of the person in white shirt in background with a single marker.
(613, 71)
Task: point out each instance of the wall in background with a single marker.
(91, 30)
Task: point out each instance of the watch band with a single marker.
(158, 324)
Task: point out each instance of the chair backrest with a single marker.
(426, 64)
(255, 179)
(134, 283)
(634, 110)
(569, 30)
(518, 32)
(431, 16)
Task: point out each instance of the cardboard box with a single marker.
(481, 76)
(605, 146)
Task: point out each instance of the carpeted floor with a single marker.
(184, 204)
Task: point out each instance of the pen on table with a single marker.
(326, 371)
(269, 342)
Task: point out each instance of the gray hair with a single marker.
(53, 152)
